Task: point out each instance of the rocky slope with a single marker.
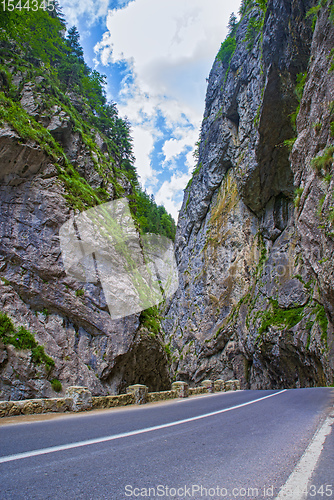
(255, 237)
(50, 165)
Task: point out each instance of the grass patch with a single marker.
(276, 316)
(313, 12)
(299, 90)
(263, 255)
(289, 143)
(321, 319)
(254, 27)
(23, 339)
(56, 385)
(28, 128)
(194, 173)
(227, 50)
(298, 194)
(247, 5)
(150, 319)
(332, 129)
(322, 164)
(256, 23)
(168, 350)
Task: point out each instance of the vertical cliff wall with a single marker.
(59, 156)
(69, 318)
(255, 237)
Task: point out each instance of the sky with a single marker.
(157, 56)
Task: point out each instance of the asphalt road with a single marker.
(246, 446)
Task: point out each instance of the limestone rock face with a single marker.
(69, 318)
(315, 137)
(256, 300)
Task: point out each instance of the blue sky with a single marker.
(157, 55)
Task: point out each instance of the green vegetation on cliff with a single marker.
(254, 26)
(256, 23)
(228, 46)
(227, 49)
(150, 319)
(36, 51)
(56, 385)
(247, 5)
(23, 339)
(152, 218)
(314, 11)
(284, 318)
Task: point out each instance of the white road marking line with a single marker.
(192, 398)
(53, 449)
(298, 481)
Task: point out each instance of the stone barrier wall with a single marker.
(152, 397)
(80, 398)
(194, 391)
(99, 402)
(31, 406)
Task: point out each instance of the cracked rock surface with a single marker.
(255, 259)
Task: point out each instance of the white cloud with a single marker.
(169, 47)
(171, 44)
(144, 140)
(92, 9)
(170, 193)
(172, 148)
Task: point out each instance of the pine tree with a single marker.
(58, 13)
(72, 41)
(232, 24)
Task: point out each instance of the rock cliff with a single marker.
(255, 237)
(54, 162)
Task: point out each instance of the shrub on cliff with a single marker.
(23, 339)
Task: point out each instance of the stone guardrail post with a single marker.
(181, 388)
(219, 385)
(139, 392)
(208, 384)
(232, 385)
(81, 398)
